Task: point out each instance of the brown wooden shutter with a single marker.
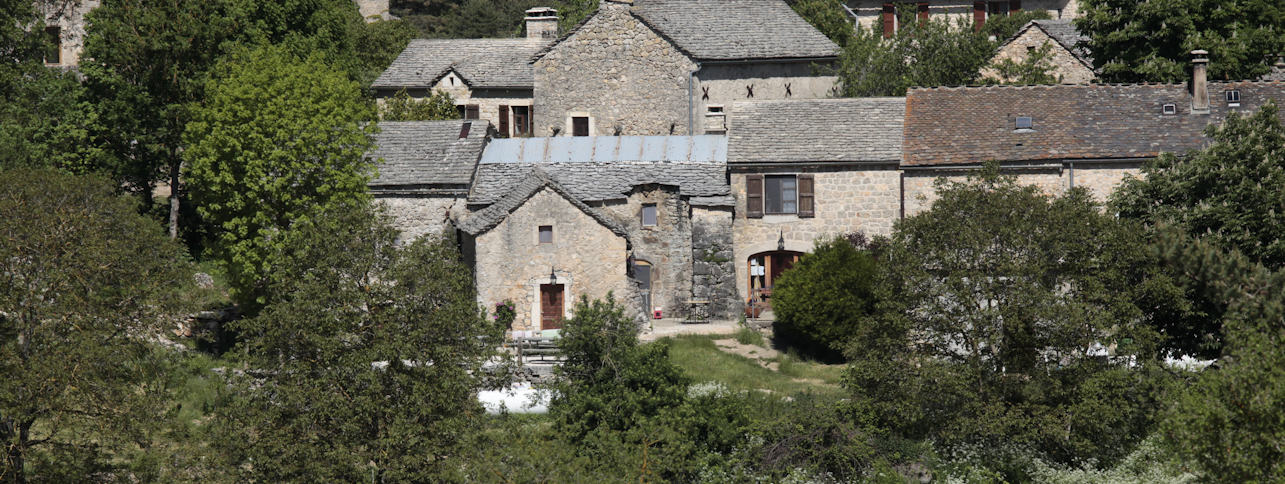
(889, 19)
(807, 197)
(504, 121)
(1014, 6)
(923, 12)
(471, 112)
(753, 196)
(979, 16)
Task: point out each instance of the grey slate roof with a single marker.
(735, 29)
(534, 182)
(816, 130)
(593, 182)
(423, 153)
(968, 125)
(1065, 33)
(482, 63)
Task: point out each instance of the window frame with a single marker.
(53, 34)
(780, 192)
(540, 231)
(655, 215)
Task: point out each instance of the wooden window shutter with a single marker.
(923, 12)
(1014, 6)
(504, 121)
(753, 196)
(889, 19)
(979, 16)
(807, 197)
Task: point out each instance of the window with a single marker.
(53, 45)
(546, 234)
(648, 214)
(521, 120)
(468, 111)
(1233, 98)
(779, 194)
(580, 126)
(1170, 109)
(1025, 123)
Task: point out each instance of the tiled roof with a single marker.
(424, 153)
(1064, 32)
(482, 63)
(534, 182)
(965, 125)
(816, 130)
(595, 181)
(735, 29)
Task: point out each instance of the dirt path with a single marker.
(757, 353)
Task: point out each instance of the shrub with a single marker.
(822, 302)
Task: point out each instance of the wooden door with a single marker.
(551, 306)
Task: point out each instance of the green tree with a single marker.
(1004, 297)
(46, 120)
(277, 140)
(822, 302)
(1036, 68)
(367, 366)
(402, 107)
(86, 286)
(1151, 41)
(828, 16)
(1228, 425)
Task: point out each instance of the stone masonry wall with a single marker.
(589, 259)
(416, 216)
(667, 246)
(70, 18)
(727, 83)
(869, 11)
(848, 199)
(1099, 178)
(713, 264)
(1065, 65)
(617, 72)
(488, 101)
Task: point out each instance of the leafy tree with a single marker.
(1151, 41)
(278, 140)
(1229, 423)
(1036, 68)
(822, 301)
(402, 107)
(1003, 294)
(572, 12)
(366, 367)
(86, 285)
(828, 16)
(46, 120)
(936, 52)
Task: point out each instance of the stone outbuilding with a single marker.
(802, 170)
(674, 67)
(1067, 55)
(425, 171)
(668, 195)
(489, 79)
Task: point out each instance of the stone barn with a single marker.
(425, 169)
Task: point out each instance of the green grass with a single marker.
(703, 361)
(747, 336)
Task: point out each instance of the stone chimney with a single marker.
(542, 23)
(1199, 82)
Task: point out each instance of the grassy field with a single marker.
(704, 361)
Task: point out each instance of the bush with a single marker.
(822, 302)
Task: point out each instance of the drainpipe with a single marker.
(1070, 168)
(691, 103)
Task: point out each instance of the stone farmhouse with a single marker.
(869, 13)
(662, 67)
(1070, 60)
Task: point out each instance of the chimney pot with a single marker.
(1199, 82)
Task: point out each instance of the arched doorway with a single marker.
(764, 269)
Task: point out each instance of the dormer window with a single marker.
(1024, 123)
(1169, 109)
(1233, 97)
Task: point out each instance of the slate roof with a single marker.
(536, 181)
(426, 153)
(1064, 32)
(1277, 73)
(816, 130)
(967, 125)
(481, 63)
(735, 29)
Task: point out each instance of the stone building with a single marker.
(665, 197)
(373, 10)
(1069, 59)
(65, 29)
(490, 79)
(870, 13)
(669, 67)
(806, 169)
(425, 171)
(1059, 137)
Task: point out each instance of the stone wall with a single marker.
(667, 246)
(70, 18)
(713, 261)
(416, 216)
(1068, 68)
(727, 83)
(848, 199)
(869, 12)
(488, 101)
(373, 10)
(588, 258)
(618, 73)
(1100, 179)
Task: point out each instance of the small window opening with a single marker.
(715, 109)
(580, 126)
(546, 234)
(649, 214)
(1030, 49)
(1170, 109)
(53, 45)
(1025, 122)
(1233, 97)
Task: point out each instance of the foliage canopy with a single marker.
(823, 302)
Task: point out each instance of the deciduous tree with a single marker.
(822, 303)
(402, 107)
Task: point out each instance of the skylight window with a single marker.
(1169, 109)
(1233, 97)
(1024, 123)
